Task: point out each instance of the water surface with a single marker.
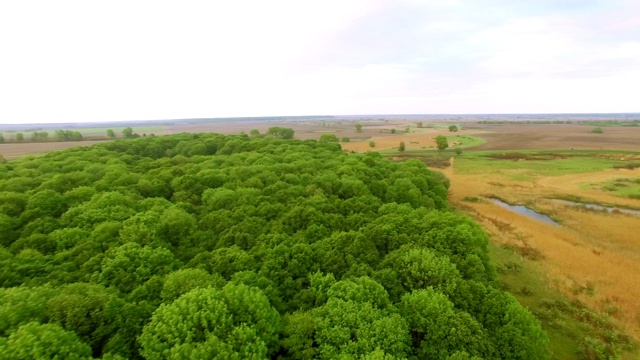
(523, 210)
(598, 207)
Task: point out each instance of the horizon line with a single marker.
(277, 117)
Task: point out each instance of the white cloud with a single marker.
(116, 60)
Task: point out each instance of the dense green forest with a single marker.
(198, 246)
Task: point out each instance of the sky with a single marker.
(81, 61)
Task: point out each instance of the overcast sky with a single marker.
(86, 60)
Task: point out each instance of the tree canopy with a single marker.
(238, 246)
(441, 142)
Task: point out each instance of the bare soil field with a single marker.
(14, 151)
(556, 136)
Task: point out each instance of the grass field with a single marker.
(465, 142)
(543, 163)
(626, 187)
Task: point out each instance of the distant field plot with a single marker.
(541, 162)
(14, 151)
(557, 137)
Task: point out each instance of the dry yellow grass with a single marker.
(594, 257)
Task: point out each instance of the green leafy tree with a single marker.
(254, 133)
(372, 144)
(401, 147)
(111, 133)
(393, 131)
(182, 281)
(84, 309)
(358, 128)
(21, 305)
(355, 329)
(234, 322)
(345, 139)
(41, 342)
(68, 135)
(281, 132)
(19, 137)
(130, 265)
(9, 233)
(328, 138)
(458, 150)
(438, 331)
(127, 133)
(418, 268)
(453, 128)
(39, 136)
(441, 142)
(1, 139)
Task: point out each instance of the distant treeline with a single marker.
(43, 136)
(577, 122)
(38, 136)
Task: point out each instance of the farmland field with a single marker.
(14, 151)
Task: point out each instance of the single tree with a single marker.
(458, 151)
(419, 125)
(453, 128)
(127, 133)
(345, 139)
(358, 128)
(328, 138)
(441, 142)
(19, 137)
(281, 132)
(111, 133)
(402, 146)
(393, 131)
(372, 144)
